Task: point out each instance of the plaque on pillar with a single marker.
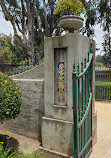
(60, 71)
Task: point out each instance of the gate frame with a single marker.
(86, 69)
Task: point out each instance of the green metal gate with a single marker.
(82, 105)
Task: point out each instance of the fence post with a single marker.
(75, 116)
(38, 58)
(3, 68)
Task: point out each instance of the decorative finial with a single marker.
(74, 69)
(78, 67)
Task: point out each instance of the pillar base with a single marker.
(57, 136)
(53, 154)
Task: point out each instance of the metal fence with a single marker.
(103, 82)
(19, 67)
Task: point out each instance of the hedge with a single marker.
(10, 98)
(103, 90)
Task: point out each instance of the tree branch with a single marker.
(8, 16)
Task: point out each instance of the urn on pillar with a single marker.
(69, 12)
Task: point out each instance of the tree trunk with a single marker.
(39, 27)
(31, 57)
(46, 22)
(30, 32)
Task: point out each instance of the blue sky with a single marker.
(6, 28)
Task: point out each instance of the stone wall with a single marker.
(28, 123)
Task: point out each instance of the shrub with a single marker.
(21, 69)
(24, 67)
(10, 98)
(103, 90)
(97, 64)
(69, 7)
(24, 62)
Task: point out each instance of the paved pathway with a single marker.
(102, 149)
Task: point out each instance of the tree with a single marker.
(51, 21)
(6, 48)
(19, 51)
(99, 12)
(91, 17)
(32, 22)
(104, 8)
(22, 14)
(12, 51)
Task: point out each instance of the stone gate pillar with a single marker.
(57, 124)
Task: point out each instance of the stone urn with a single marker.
(71, 22)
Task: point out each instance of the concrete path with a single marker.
(102, 149)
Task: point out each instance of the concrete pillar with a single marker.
(57, 124)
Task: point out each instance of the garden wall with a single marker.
(35, 73)
(28, 122)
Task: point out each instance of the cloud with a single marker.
(5, 26)
(98, 37)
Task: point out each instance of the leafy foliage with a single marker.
(12, 52)
(22, 15)
(103, 90)
(105, 59)
(69, 7)
(6, 48)
(104, 8)
(24, 67)
(21, 69)
(20, 53)
(97, 64)
(10, 98)
(90, 17)
(36, 21)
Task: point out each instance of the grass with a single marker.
(34, 154)
(99, 83)
(41, 61)
(8, 154)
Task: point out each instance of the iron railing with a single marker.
(103, 81)
(18, 67)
